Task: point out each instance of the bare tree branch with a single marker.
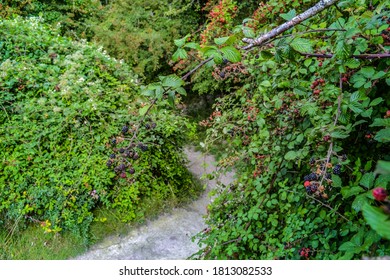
(317, 8)
(361, 56)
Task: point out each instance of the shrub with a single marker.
(62, 102)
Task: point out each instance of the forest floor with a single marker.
(169, 236)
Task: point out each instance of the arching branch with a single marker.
(317, 8)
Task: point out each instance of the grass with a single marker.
(33, 244)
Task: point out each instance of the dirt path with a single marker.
(169, 236)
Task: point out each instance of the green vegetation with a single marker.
(303, 118)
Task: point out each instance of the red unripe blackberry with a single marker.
(306, 184)
(379, 194)
(123, 175)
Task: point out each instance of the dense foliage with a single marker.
(303, 119)
(304, 123)
(68, 112)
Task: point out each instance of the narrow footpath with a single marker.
(169, 236)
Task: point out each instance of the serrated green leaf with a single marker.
(181, 91)
(339, 134)
(171, 98)
(348, 246)
(179, 54)
(192, 45)
(289, 16)
(142, 111)
(378, 221)
(301, 45)
(367, 180)
(180, 42)
(383, 135)
(172, 81)
(351, 191)
(381, 122)
(376, 101)
(231, 54)
(352, 63)
(248, 32)
(336, 181)
(291, 155)
(383, 167)
(221, 41)
(359, 202)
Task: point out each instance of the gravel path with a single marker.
(169, 236)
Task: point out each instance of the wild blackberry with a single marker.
(121, 150)
(313, 177)
(109, 163)
(312, 161)
(313, 188)
(144, 148)
(112, 156)
(147, 126)
(344, 157)
(122, 167)
(328, 176)
(125, 129)
(379, 194)
(131, 170)
(153, 125)
(308, 189)
(306, 178)
(123, 175)
(337, 169)
(135, 156)
(113, 141)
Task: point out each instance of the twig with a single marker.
(329, 207)
(196, 68)
(317, 8)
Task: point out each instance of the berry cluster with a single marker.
(315, 84)
(304, 252)
(121, 159)
(316, 182)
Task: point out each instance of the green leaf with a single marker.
(359, 202)
(350, 191)
(367, 180)
(192, 45)
(171, 98)
(291, 155)
(248, 32)
(352, 63)
(289, 16)
(336, 181)
(179, 54)
(376, 101)
(383, 135)
(378, 221)
(381, 122)
(348, 246)
(231, 54)
(302, 45)
(383, 167)
(339, 134)
(221, 41)
(172, 81)
(180, 42)
(142, 111)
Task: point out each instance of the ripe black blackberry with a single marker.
(313, 177)
(135, 156)
(122, 150)
(144, 148)
(313, 188)
(337, 169)
(131, 170)
(152, 125)
(306, 178)
(328, 176)
(113, 141)
(147, 126)
(308, 189)
(125, 129)
(122, 167)
(312, 161)
(112, 156)
(109, 163)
